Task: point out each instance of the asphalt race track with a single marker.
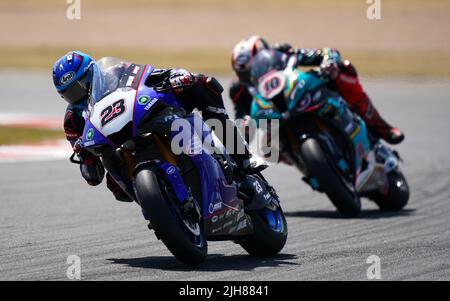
(47, 212)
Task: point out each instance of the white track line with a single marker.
(45, 151)
(37, 152)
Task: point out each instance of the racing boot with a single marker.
(349, 87)
(376, 124)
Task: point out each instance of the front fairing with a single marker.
(299, 93)
(137, 100)
(263, 109)
(103, 138)
(299, 88)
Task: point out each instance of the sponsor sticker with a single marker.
(257, 187)
(170, 170)
(143, 100)
(89, 143)
(130, 81)
(67, 77)
(150, 104)
(213, 207)
(90, 134)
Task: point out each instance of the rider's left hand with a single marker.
(180, 79)
(329, 70)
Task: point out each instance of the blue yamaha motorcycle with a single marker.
(188, 198)
(324, 139)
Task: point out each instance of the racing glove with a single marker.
(180, 79)
(329, 70)
(284, 47)
(91, 167)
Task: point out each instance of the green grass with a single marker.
(13, 135)
(384, 63)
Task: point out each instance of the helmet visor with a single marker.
(79, 90)
(241, 66)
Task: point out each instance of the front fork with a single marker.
(168, 166)
(127, 154)
(315, 129)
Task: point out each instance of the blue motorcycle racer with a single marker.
(73, 76)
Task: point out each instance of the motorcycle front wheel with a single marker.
(183, 237)
(342, 194)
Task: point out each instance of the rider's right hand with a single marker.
(91, 167)
(77, 146)
(82, 154)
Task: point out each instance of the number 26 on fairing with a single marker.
(110, 112)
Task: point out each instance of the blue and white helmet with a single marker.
(72, 76)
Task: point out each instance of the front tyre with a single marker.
(270, 233)
(184, 238)
(341, 194)
(397, 195)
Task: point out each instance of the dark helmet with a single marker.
(72, 76)
(243, 54)
(266, 61)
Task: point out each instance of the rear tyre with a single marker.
(170, 226)
(341, 194)
(397, 195)
(270, 233)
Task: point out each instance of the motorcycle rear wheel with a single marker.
(269, 236)
(397, 195)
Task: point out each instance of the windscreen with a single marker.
(106, 75)
(266, 61)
